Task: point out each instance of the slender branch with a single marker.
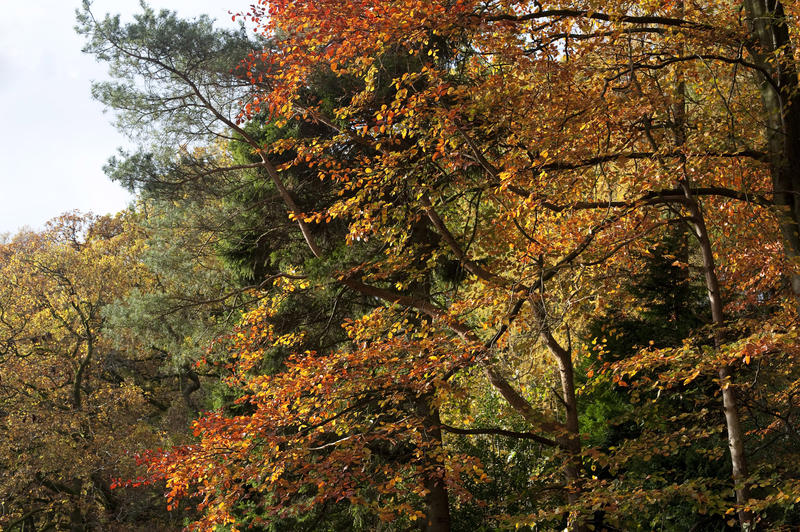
(593, 15)
(468, 264)
(701, 57)
(331, 444)
(611, 157)
(501, 432)
(655, 197)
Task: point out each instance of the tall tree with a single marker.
(490, 168)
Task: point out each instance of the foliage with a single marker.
(71, 407)
(482, 179)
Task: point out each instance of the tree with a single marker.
(498, 168)
(187, 299)
(71, 405)
(662, 116)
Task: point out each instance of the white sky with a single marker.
(54, 139)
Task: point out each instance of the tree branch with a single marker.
(501, 432)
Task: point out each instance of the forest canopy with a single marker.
(443, 265)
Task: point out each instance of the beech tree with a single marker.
(533, 151)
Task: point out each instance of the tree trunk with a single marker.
(730, 408)
(76, 523)
(774, 54)
(571, 439)
(437, 505)
(697, 221)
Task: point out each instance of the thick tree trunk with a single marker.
(736, 447)
(190, 383)
(774, 54)
(571, 440)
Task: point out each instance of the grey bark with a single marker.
(729, 403)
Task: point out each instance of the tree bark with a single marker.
(569, 439)
(774, 54)
(76, 522)
(437, 505)
(729, 403)
(698, 224)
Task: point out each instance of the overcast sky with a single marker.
(54, 139)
